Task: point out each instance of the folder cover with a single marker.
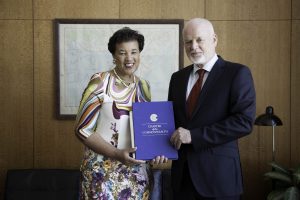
(152, 124)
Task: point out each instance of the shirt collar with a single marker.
(208, 66)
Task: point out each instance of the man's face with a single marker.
(200, 43)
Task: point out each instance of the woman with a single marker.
(108, 171)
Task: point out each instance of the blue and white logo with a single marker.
(153, 117)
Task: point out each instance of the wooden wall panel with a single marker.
(16, 9)
(295, 9)
(132, 9)
(55, 143)
(76, 9)
(160, 9)
(16, 102)
(178, 9)
(248, 10)
(253, 43)
(295, 97)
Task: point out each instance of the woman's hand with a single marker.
(159, 160)
(123, 156)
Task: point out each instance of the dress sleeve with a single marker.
(88, 111)
(144, 91)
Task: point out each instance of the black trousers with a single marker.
(189, 192)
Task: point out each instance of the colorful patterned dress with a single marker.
(105, 110)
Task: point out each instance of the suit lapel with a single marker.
(211, 80)
(183, 86)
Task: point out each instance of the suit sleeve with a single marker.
(170, 89)
(240, 118)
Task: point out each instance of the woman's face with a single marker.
(127, 57)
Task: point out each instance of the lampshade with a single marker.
(268, 119)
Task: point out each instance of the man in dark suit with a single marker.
(209, 118)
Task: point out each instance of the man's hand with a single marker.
(181, 136)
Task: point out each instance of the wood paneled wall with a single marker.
(263, 34)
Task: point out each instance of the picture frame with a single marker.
(81, 50)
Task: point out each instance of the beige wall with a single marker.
(263, 34)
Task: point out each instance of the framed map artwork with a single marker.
(81, 50)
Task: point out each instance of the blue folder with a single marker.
(152, 124)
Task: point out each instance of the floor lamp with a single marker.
(269, 119)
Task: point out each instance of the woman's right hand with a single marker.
(123, 156)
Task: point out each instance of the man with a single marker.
(209, 118)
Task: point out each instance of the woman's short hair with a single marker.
(125, 35)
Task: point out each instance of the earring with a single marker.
(114, 61)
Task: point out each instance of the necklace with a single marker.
(122, 81)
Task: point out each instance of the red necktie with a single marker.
(194, 94)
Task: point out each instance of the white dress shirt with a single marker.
(194, 75)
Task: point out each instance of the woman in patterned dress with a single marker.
(102, 124)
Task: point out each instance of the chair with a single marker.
(42, 184)
(63, 184)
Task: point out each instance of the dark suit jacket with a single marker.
(225, 112)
